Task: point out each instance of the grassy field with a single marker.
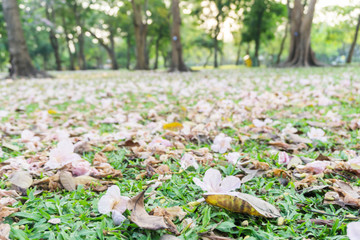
(122, 115)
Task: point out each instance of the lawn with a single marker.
(290, 136)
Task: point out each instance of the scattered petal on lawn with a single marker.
(233, 157)
(284, 158)
(212, 182)
(317, 134)
(353, 230)
(113, 202)
(221, 143)
(316, 167)
(188, 160)
(62, 155)
(54, 221)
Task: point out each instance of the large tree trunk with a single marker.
(140, 36)
(177, 62)
(71, 55)
(216, 41)
(50, 15)
(301, 54)
(20, 60)
(81, 38)
(237, 62)
(351, 51)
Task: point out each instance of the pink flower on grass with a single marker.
(187, 161)
(284, 158)
(113, 202)
(221, 143)
(317, 167)
(212, 182)
(81, 167)
(353, 230)
(317, 134)
(62, 155)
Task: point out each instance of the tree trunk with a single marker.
(207, 59)
(216, 41)
(157, 43)
(351, 52)
(50, 15)
(71, 55)
(177, 62)
(256, 55)
(238, 54)
(128, 56)
(81, 38)
(282, 44)
(140, 28)
(109, 49)
(20, 60)
(301, 54)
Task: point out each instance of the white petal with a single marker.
(230, 183)
(353, 230)
(121, 206)
(212, 180)
(118, 217)
(66, 146)
(114, 192)
(200, 184)
(105, 204)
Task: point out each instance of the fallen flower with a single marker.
(213, 184)
(317, 134)
(113, 202)
(284, 158)
(233, 157)
(316, 167)
(353, 230)
(187, 161)
(221, 143)
(62, 155)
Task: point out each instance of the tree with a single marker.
(216, 11)
(105, 21)
(21, 65)
(141, 28)
(261, 22)
(177, 62)
(353, 44)
(300, 52)
(50, 15)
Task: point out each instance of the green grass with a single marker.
(77, 210)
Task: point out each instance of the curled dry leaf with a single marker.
(242, 203)
(67, 181)
(21, 181)
(141, 218)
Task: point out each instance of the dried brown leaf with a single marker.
(21, 181)
(67, 181)
(141, 218)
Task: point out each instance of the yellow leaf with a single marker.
(52, 111)
(242, 203)
(173, 126)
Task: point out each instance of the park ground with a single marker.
(143, 123)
